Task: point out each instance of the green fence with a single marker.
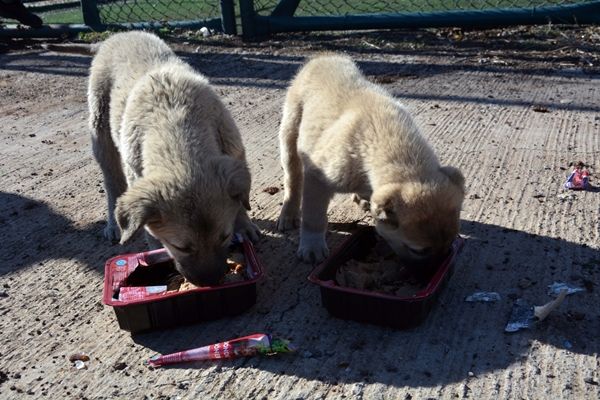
(261, 18)
(264, 17)
(64, 17)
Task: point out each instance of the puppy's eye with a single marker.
(183, 249)
(225, 237)
(420, 252)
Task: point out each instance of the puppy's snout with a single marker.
(423, 265)
(203, 270)
(421, 257)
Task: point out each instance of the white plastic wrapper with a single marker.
(557, 287)
(483, 297)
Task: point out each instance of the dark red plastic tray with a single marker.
(164, 310)
(374, 307)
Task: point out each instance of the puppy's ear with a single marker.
(135, 208)
(384, 205)
(455, 176)
(238, 181)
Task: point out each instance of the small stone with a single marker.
(3, 377)
(525, 283)
(79, 364)
(591, 381)
(79, 357)
(471, 374)
(119, 366)
(271, 190)
(576, 315)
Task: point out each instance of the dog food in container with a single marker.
(346, 292)
(146, 292)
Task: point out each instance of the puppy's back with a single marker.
(333, 83)
(120, 62)
(331, 76)
(130, 54)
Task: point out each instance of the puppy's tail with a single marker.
(288, 143)
(73, 48)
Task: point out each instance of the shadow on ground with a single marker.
(31, 232)
(259, 65)
(45, 63)
(515, 264)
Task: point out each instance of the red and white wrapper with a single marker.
(127, 293)
(251, 345)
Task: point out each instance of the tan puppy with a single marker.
(342, 134)
(170, 153)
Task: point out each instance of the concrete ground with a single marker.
(511, 109)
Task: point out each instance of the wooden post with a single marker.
(228, 17)
(91, 14)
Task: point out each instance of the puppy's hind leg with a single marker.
(315, 201)
(106, 152)
(291, 163)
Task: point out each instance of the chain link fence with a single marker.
(124, 11)
(260, 18)
(264, 17)
(131, 11)
(65, 17)
(53, 11)
(355, 7)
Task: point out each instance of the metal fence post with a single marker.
(228, 17)
(91, 14)
(248, 16)
(285, 8)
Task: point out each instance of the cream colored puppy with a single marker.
(343, 134)
(171, 155)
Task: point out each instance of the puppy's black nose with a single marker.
(211, 278)
(204, 273)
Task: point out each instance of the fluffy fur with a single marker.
(171, 155)
(343, 134)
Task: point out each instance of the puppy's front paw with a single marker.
(244, 226)
(250, 231)
(112, 232)
(288, 219)
(313, 247)
(362, 203)
(286, 223)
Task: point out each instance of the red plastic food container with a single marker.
(375, 307)
(145, 311)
